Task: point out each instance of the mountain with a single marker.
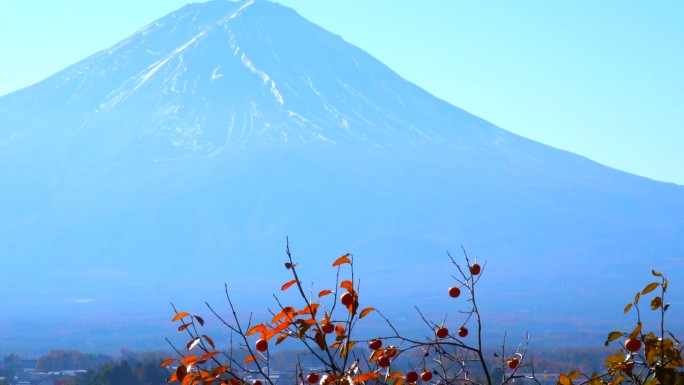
(182, 157)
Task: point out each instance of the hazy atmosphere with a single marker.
(226, 188)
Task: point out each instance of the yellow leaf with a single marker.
(573, 375)
(341, 260)
(180, 315)
(656, 274)
(365, 312)
(628, 307)
(650, 287)
(287, 285)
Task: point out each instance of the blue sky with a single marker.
(600, 79)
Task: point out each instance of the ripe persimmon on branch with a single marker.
(324, 325)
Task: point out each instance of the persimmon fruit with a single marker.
(347, 299)
(383, 361)
(454, 292)
(441, 332)
(375, 344)
(462, 331)
(312, 378)
(261, 345)
(328, 327)
(411, 377)
(632, 345)
(426, 376)
(475, 269)
(513, 363)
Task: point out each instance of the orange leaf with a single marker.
(347, 284)
(323, 293)
(260, 328)
(189, 360)
(168, 362)
(208, 356)
(366, 376)
(281, 338)
(220, 369)
(249, 359)
(341, 260)
(339, 329)
(394, 375)
(365, 312)
(287, 285)
(180, 315)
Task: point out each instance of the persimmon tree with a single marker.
(324, 324)
(645, 357)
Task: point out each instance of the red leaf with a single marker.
(189, 360)
(181, 372)
(180, 315)
(200, 320)
(287, 285)
(208, 356)
(341, 260)
(183, 327)
(324, 293)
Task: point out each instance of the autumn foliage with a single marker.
(323, 323)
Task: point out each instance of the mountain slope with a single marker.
(180, 158)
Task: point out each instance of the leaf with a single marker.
(656, 274)
(189, 360)
(192, 343)
(347, 284)
(650, 287)
(339, 329)
(656, 303)
(628, 307)
(573, 375)
(564, 380)
(281, 338)
(394, 375)
(366, 376)
(209, 341)
(320, 340)
(183, 327)
(180, 315)
(287, 285)
(249, 359)
(325, 292)
(375, 355)
(636, 331)
(220, 369)
(167, 362)
(341, 260)
(181, 372)
(200, 320)
(636, 298)
(612, 336)
(260, 328)
(346, 348)
(365, 312)
(208, 356)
